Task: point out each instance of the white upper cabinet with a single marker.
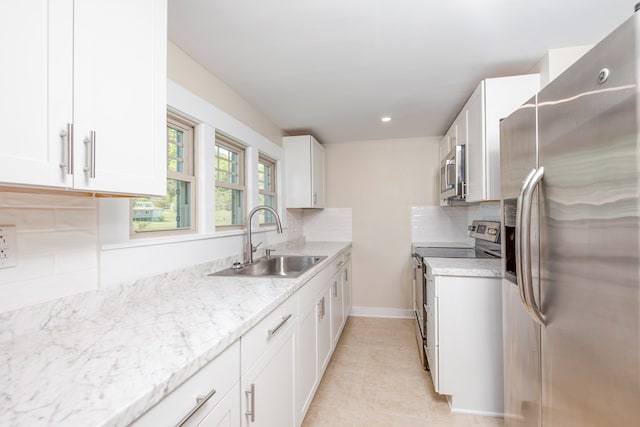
(36, 87)
(84, 97)
(492, 100)
(304, 172)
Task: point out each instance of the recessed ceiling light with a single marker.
(385, 119)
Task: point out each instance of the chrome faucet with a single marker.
(250, 248)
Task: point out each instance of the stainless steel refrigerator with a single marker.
(570, 172)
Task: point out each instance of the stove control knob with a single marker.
(492, 231)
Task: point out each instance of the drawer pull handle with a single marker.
(339, 265)
(252, 402)
(271, 332)
(200, 401)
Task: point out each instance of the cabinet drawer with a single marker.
(221, 374)
(337, 264)
(255, 342)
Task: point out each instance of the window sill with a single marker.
(168, 240)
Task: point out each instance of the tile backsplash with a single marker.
(57, 247)
(449, 224)
(328, 225)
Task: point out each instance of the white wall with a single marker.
(380, 181)
(189, 74)
(555, 61)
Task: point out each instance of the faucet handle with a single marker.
(268, 252)
(255, 247)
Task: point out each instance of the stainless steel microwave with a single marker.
(452, 176)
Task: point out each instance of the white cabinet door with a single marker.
(317, 171)
(475, 155)
(306, 357)
(346, 287)
(227, 411)
(36, 86)
(304, 172)
(267, 389)
(91, 71)
(325, 341)
(218, 381)
(493, 100)
(337, 306)
(120, 96)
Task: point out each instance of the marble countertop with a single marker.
(465, 267)
(468, 267)
(105, 358)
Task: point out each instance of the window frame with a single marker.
(231, 144)
(188, 175)
(272, 164)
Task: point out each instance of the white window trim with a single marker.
(208, 118)
(189, 176)
(231, 144)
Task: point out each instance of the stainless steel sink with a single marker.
(276, 266)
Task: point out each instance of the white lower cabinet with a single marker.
(208, 398)
(464, 341)
(267, 369)
(226, 413)
(346, 286)
(269, 376)
(314, 343)
(337, 306)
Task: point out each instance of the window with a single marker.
(266, 188)
(174, 212)
(229, 175)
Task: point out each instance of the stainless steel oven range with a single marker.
(487, 245)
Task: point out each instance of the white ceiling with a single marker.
(334, 67)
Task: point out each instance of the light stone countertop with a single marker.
(467, 267)
(104, 358)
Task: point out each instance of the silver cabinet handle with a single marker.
(200, 400)
(91, 154)
(321, 308)
(251, 413)
(335, 289)
(67, 149)
(526, 281)
(272, 331)
(339, 265)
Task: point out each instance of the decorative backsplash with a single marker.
(57, 247)
(449, 224)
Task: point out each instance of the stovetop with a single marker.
(487, 244)
(450, 252)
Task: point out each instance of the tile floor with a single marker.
(375, 379)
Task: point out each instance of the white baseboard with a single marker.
(472, 411)
(400, 313)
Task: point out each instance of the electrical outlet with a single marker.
(8, 249)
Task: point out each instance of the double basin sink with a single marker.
(281, 266)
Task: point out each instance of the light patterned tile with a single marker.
(320, 416)
(375, 379)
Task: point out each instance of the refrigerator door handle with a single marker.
(525, 242)
(518, 243)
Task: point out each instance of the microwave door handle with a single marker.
(448, 164)
(459, 171)
(519, 236)
(534, 308)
